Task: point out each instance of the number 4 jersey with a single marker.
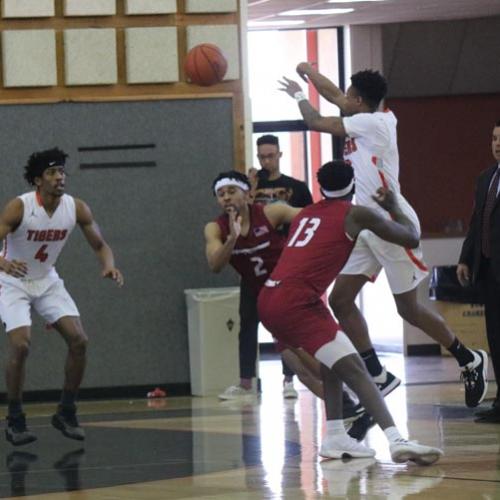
(317, 246)
(39, 239)
(254, 255)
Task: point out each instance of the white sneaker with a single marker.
(289, 391)
(344, 447)
(411, 451)
(236, 392)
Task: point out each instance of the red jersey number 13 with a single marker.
(305, 232)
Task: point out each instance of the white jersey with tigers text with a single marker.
(372, 150)
(39, 239)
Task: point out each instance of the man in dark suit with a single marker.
(480, 261)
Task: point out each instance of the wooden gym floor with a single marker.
(201, 448)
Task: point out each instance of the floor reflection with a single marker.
(18, 464)
(202, 448)
(69, 468)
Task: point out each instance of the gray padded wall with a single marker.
(442, 58)
(153, 217)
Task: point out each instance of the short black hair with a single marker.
(497, 124)
(40, 161)
(371, 86)
(231, 174)
(335, 175)
(268, 139)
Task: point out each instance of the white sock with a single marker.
(392, 434)
(335, 428)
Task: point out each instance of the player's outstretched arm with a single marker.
(325, 87)
(218, 252)
(399, 230)
(94, 237)
(280, 213)
(10, 218)
(314, 120)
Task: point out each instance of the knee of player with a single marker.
(407, 310)
(20, 349)
(339, 303)
(306, 377)
(78, 344)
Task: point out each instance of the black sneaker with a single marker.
(386, 382)
(16, 432)
(474, 377)
(67, 423)
(361, 426)
(351, 409)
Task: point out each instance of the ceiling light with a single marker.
(315, 12)
(353, 1)
(258, 24)
(257, 2)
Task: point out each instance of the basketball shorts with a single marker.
(296, 317)
(404, 268)
(47, 296)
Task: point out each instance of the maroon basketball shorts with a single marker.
(296, 316)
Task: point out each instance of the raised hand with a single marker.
(234, 223)
(291, 87)
(303, 70)
(386, 199)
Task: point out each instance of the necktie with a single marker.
(491, 198)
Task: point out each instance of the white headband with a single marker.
(340, 192)
(227, 181)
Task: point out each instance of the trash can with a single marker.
(213, 327)
(461, 307)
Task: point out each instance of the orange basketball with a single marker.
(205, 65)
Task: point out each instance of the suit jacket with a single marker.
(471, 249)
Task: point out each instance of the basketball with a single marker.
(205, 65)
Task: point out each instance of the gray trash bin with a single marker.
(213, 326)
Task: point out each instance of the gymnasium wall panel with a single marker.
(152, 55)
(27, 8)
(90, 57)
(204, 6)
(29, 58)
(145, 169)
(142, 7)
(89, 7)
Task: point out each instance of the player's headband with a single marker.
(339, 192)
(228, 181)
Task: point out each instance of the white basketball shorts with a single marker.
(47, 296)
(404, 268)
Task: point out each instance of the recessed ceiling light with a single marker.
(257, 2)
(258, 24)
(315, 12)
(353, 1)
